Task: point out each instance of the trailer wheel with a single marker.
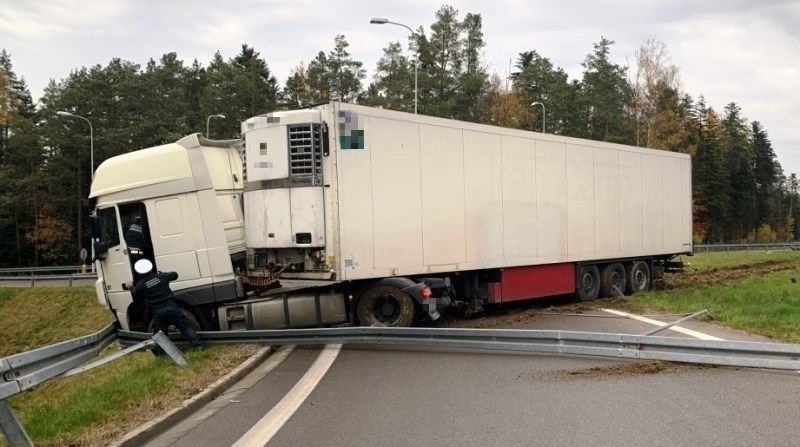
(588, 287)
(613, 280)
(385, 306)
(639, 278)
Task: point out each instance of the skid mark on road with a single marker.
(260, 434)
(682, 330)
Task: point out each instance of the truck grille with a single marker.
(305, 152)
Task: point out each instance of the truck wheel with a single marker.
(385, 306)
(588, 286)
(613, 281)
(638, 274)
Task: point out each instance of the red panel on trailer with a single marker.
(519, 283)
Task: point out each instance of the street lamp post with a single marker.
(208, 120)
(91, 155)
(382, 21)
(544, 114)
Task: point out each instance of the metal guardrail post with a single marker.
(676, 322)
(25, 370)
(169, 348)
(12, 428)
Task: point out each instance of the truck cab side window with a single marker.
(109, 233)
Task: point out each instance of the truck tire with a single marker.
(613, 281)
(385, 306)
(639, 279)
(588, 283)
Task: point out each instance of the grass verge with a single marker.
(705, 261)
(763, 303)
(96, 407)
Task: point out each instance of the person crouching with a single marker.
(153, 287)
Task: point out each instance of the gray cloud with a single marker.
(739, 50)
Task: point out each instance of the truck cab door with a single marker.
(115, 263)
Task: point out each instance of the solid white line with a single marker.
(260, 434)
(682, 330)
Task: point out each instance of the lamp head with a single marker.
(63, 113)
(378, 21)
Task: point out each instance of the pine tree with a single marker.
(545, 83)
(765, 171)
(346, 73)
(440, 59)
(238, 89)
(741, 178)
(607, 95)
(393, 87)
(474, 80)
(710, 180)
(297, 92)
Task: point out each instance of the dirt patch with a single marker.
(619, 370)
(720, 275)
(490, 321)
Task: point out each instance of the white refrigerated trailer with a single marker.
(378, 217)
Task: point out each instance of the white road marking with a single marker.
(230, 396)
(682, 330)
(261, 433)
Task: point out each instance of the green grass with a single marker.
(764, 304)
(38, 316)
(7, 292)
(703, 261)
(83, 409)
(98, 406)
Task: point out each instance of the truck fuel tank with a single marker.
(298, 310)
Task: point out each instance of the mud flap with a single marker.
(429, 304)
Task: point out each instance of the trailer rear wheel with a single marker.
(613, 281)
(639, 278)
(385, 306)
(588, 282)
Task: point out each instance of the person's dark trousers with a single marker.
(167, 313)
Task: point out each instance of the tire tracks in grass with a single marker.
(722, 275)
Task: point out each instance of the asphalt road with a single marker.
(405, 397)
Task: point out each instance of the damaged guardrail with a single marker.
(25, 370)
(646, 347)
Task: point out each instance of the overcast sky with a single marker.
(746, 51)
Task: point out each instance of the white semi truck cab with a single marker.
(341, 214)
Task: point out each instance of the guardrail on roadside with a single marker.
(25, 370)
(772, 246)
(29, 271)
(75, 279)
(20, 372)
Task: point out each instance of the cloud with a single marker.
(47, 19)
(747, 51)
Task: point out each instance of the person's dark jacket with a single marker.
(134, 236)
(154, 287)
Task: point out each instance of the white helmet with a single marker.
(143, 266)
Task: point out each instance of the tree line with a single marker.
(740, 192)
